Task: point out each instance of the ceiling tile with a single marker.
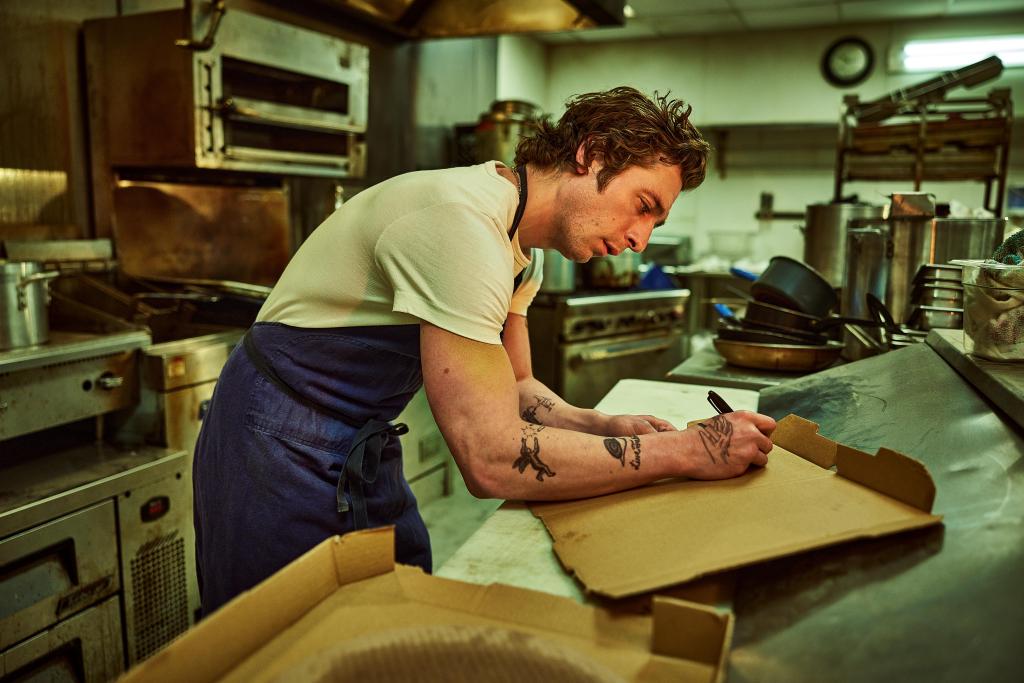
(883, 10)
(717, 22)
(648, 8)
(778, 4)
(810, 15)
(634, 28)
(963, 7)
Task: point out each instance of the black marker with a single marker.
(718, 403)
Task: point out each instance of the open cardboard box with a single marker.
(349, 587)
(658, 536)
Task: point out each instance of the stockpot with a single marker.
(559, 273)
(621, 271)
(24, 298)
(825, 235)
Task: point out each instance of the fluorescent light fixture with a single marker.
(941, 55)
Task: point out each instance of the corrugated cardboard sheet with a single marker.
(349, 588)
(671, 532)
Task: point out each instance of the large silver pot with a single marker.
(499, 130)
(24, 298)
(825, 236)
(613, 272)
(559, 273)
(918, 241)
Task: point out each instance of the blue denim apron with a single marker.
(275, 474)
(297, 446)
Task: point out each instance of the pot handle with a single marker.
(38, 277)
(32, 279)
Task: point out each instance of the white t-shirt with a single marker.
(429, 245)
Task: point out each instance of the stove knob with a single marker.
(109, 382)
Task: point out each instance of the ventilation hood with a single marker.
(445, 18)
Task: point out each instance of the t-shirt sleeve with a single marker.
(448, 265)
(533, 276)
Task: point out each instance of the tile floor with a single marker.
(453, 519)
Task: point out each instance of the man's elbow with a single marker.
(480, 470)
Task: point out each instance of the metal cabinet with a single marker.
(54, 570)
(161, 593)
(86, 647)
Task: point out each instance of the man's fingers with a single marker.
(659, 424)
(764, 424)
(761, 459)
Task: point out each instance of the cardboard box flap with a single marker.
(305, 616)
(889, 472)
(654, 537)
(259, 614)
(690, 631)
(801, 436)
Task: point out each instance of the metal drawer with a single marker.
(56, 569)
(86, 647)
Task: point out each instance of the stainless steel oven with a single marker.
(583, 344)
(256, 95)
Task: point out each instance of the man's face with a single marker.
(622, 216)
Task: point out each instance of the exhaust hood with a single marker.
(445, 18)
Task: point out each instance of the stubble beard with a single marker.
(570, 234)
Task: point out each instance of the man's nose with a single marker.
(638, 236)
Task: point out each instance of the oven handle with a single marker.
(268, 113)
(613, 351)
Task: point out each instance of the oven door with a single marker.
(587, 370)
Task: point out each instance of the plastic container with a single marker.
(993, 310)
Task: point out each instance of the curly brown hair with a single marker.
(623, 127)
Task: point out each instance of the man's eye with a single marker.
(644, 208)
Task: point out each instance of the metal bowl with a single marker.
(788, 357)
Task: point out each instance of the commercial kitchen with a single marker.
(850, 266)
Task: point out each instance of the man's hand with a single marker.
(628, 425)
(726, 445)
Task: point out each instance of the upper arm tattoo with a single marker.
(618, 446)
(530, 414)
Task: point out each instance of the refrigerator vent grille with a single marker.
(159, 595)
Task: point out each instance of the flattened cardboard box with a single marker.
(349, 588)
(669, 533)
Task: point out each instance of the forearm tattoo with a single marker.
(716, 436)
(530, 414)
(617, 447)
(529, 453)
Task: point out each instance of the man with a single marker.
(414, 281)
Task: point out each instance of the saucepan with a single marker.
(791, 284)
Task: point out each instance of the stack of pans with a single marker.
(784, 324)
(788, 324)
(937, 300)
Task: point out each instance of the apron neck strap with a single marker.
(521, 208)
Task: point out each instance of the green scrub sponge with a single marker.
(1011, 252)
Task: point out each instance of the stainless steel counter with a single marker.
(941, 604)
(945, 603)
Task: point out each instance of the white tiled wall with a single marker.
(753, 79)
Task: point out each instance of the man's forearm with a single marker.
(540, 405)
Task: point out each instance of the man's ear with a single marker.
(582, 167)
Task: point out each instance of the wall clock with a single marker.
(847, 61)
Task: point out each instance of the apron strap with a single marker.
(361, 466)
(520, 209)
